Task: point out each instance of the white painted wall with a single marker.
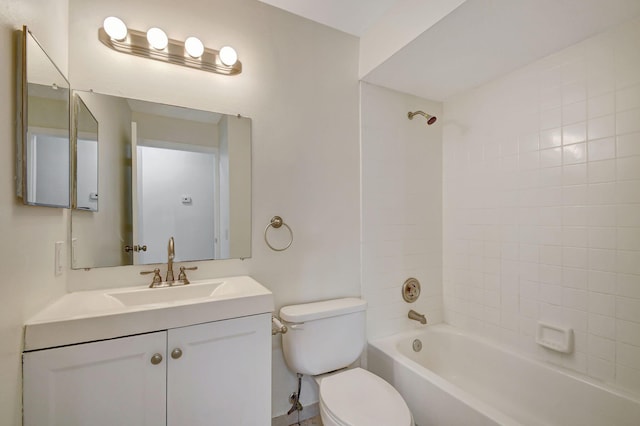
(299, 85)
(177, 130)
(29, 233)
(542, 206)
(401, 208)
(49, 113)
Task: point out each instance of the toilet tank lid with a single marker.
(324, 309)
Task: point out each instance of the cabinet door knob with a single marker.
(156, 359)
(176, 353)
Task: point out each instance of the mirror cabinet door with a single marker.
(43, 147)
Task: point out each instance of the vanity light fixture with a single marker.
(154, 44)
(194, 47)
(157, 38)
(115, 28)
(228, 55)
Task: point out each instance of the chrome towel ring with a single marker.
(277, 222)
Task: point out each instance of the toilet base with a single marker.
(336, 409)
(327, 418)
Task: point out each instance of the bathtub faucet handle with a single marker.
(417, 317)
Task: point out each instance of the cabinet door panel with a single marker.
(106, 383)
(223, 376)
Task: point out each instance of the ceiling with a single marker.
(350, 16)
(478, 41)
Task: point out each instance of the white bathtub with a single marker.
(459, 379)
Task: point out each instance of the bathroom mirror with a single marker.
(42, 135)
(85, 143)
(165, 171)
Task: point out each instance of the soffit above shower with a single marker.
(383, 26)
(484, 39)
(462, 44)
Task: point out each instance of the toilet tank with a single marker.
(323, 336)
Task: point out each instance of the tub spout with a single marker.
(417, 317)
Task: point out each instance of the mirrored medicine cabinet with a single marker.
(42, 134)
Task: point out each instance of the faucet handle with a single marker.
(182, 276)
(157, 279)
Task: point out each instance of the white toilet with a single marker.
(326, 336)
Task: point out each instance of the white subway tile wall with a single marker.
(541, 199)
(401, 208)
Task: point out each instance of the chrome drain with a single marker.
(417, 345)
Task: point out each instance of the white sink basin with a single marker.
(177, 293)
(85, 316)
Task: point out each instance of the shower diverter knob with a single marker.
(411, 290)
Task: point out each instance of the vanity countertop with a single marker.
(86, 316)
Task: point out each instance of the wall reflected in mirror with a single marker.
(85, 132)
(165, 171)
(43, 147)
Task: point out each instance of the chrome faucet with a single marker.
(417, 317)
(171, 253)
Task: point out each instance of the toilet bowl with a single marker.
(357, 397)
(324, 338)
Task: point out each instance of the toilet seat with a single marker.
(357, 397)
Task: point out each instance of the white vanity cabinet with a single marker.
(111, 382)
(217, 373)
(223, 375)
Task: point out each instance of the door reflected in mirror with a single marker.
(86, 156)
(43, 148)
(165, 171)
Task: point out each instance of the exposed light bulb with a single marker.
(115, 28)
(194, 47)
(228, 56)
(157, 38)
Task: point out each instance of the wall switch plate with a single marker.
(58, 257)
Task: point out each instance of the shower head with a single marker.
(430, 118)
